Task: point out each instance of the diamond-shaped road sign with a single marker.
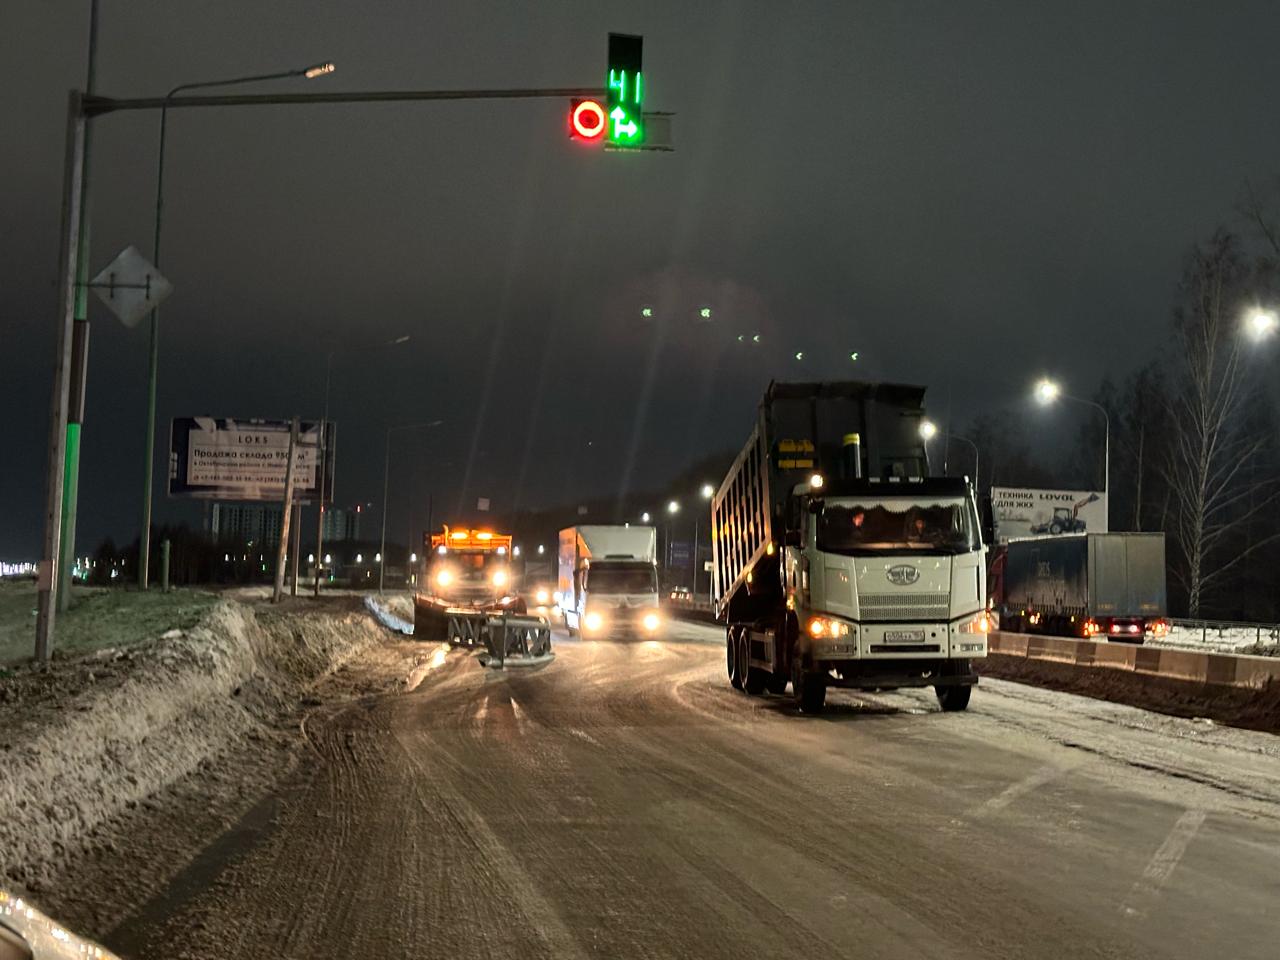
(131, 287)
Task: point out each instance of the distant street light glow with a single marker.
(1261, 324)
(928, 430)
(319, 70)
(644, 517)
(799, 354)
(1047, 391)
(673, 507)
(705, 313)
(708, 491)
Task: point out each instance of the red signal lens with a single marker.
(587, 120)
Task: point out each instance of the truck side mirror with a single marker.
(791, 538)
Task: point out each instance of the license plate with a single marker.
(904, 636)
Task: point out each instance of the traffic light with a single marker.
(625, 91)
(588, 120)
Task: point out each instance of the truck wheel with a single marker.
(731, 656)
(757, 680)
(811, 691)
(777, 684)
(740, 653)
(953, 699)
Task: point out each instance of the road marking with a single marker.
(1162, 864)
(482, 711)
(518, 712)
(1032, 781)
(583, 735)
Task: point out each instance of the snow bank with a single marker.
(86, 738)
(385, 617)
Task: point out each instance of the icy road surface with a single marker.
(625, 802)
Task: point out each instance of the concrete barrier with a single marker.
(1217, 669)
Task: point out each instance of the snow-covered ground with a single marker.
(1259, 640)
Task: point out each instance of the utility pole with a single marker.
(286, 513)
(48, 578)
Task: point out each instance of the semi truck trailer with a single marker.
(837, 561)
(608, 583)
(1093, 586)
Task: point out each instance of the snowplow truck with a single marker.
(837, 561)
(467, 578)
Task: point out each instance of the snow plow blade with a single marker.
(509, 641)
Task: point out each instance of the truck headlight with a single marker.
(542, 597)
(443, 578)
(593, 621)
(651, 622)
(499, 578)
(826, 627)
(979, 624)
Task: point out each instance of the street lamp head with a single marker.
(644, 517)
(928, 430)
(673, 507)
(708, 491)
(318, 70)
(1261, 324)
(1047, 391)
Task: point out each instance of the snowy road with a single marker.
(625, 802)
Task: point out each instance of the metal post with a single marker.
(286, 512)
(72, 197)
(386, 481)
(297, 548)
(320, 484)
(79, 346)
(164, 565)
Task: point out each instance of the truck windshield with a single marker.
(898, 524)
(637, 579)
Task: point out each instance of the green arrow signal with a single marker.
(619, 128)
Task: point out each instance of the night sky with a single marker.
(966, 194)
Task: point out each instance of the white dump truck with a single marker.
(837, 561)
(608, 582)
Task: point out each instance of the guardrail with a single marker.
(1227, 630)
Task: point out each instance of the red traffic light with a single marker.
(587, 120)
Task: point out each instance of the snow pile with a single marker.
(385, 617)
(90, 737)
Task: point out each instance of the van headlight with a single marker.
(593, 621)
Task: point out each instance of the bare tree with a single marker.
(1212, 447)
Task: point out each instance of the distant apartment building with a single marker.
(260, 523)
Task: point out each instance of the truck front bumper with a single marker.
(892, 674)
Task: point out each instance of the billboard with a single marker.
(1025, 512)
(227, 459)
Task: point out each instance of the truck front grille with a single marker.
(904, 606)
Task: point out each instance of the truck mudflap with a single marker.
(892, 674)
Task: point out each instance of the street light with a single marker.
(323, 450)
(1261, 324)
(644, 517)
(708, 491)
(928, 430)
(386, 480)
(673, 507)
(1046, 392)
(153, 363)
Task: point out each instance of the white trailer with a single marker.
(608, 582)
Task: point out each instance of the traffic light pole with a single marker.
(48, 578)
(81, 108)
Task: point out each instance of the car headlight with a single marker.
(826, 627)
(499, 578)
(593, 621)
(443, 578)
(651, 622)
(979, 624)
(542, 597)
